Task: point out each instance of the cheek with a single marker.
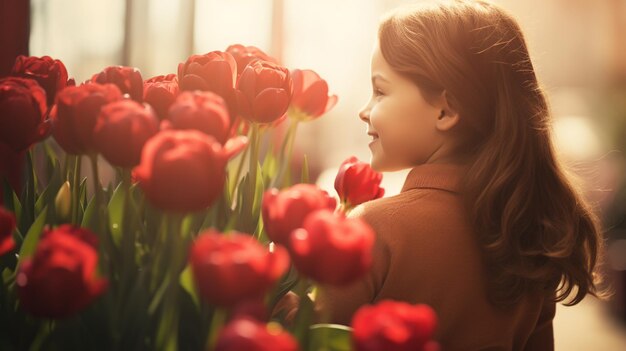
(394, 120)
(405, 128)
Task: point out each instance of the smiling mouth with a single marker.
(374, 136)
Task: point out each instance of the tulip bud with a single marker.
(356, 182)
(63, 202)
(416, 323)
(332, 249)
(310, 96)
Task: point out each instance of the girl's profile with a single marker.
(488, 229)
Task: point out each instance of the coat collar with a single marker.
(444, 176)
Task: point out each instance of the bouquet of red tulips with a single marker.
(205, 226)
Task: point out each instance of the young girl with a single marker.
(487, 229)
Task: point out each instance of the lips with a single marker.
(373, 135)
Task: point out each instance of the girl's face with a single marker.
(405, 128)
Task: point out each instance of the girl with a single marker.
(487, 229)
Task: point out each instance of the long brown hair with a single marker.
(536, 230)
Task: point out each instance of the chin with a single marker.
(379, 165)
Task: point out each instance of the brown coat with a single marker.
(426, 252)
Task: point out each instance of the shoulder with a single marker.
(414, 205)
(416, 216)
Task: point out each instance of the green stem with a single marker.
(167, 338)
(156, 253)
(293, 127)
(45, 327)
(127, 242)
(101, 219)
(75, 188)
(254, 160)
(324, 316)
(217, 321)
(304, 315)
(238, 173)
(287, 146)
(96, 181)
(292, 136)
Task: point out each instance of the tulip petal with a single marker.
(244, 107)
(195, 68)
(332, 101)
(297, 80)
(270, 105)
(218, 76)
(247, 82)
(193, 82)
(309, 77)
(270, 78)
(313, 100)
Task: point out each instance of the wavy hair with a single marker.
(537, 232)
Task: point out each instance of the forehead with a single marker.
(378, 60)
(381, 70)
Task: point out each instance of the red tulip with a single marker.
(83, 234)
(246, 54)
(7, 226)
(203, 111)
(51, 74)
(331, 248)
(234, 267)
(75, 114)
(184, 171)
(394, 326)
(59, 280)
(286, 210)
(161, 92)
(263, 91)
(215, 71)
(122, 129)
(310, 95)
(251, 335)
(22, 113)
(127, 79)
(357, 182)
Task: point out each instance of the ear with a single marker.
(448, 117)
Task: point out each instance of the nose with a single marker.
(364, 114)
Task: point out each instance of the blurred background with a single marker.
(577, 46)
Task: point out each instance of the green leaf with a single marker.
(28, 193)
(7, 275)
(17, 206)
(50, 154)
(82, 198)
(243, 200)
(186, 281)
(116, 214)
(330, 337)
(88, 221)
(226, 191)
(259, 188)
(270, 167)
(232, 222)
(48, 195)
(32, 236)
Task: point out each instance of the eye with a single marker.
(378, 92)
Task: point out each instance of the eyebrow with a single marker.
(379, 77)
